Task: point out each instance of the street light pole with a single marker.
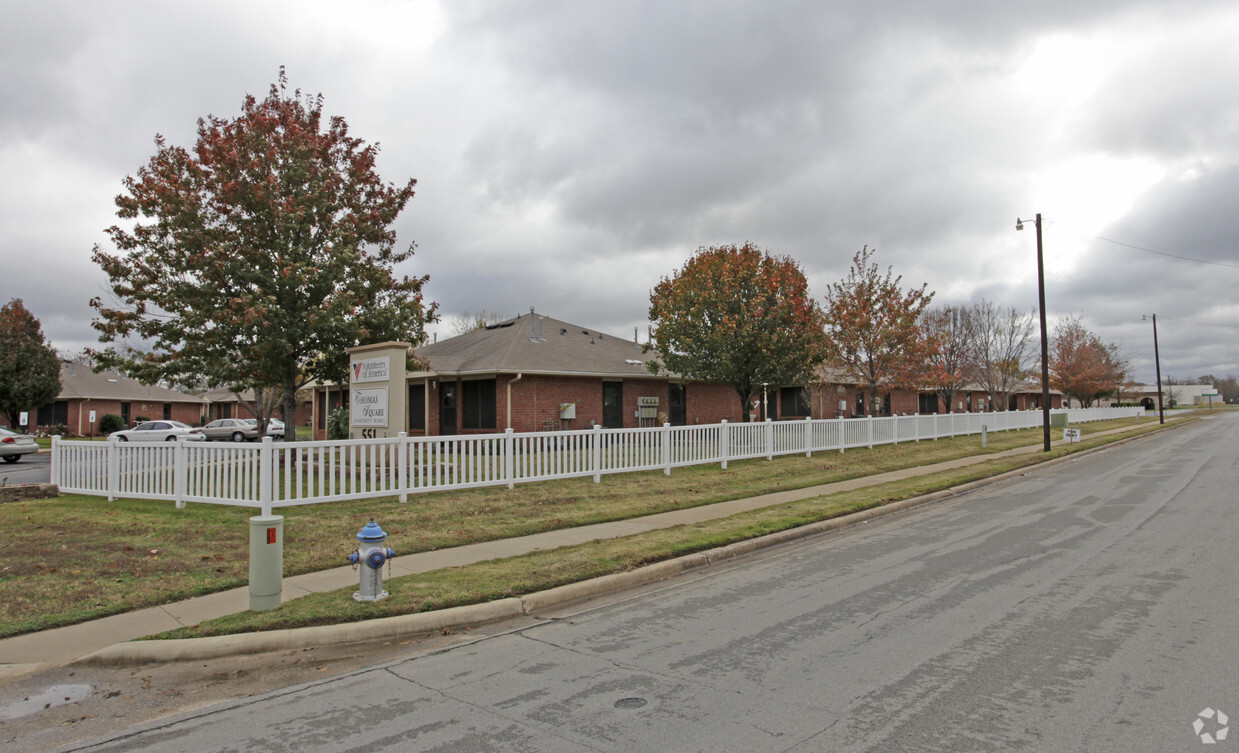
(1045, 347)
(1157, 360)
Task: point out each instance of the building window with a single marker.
(167, 411)
(477, 401)
(417, 407)
(793, 402)
(54, 414)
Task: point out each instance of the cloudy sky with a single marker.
(570, 154)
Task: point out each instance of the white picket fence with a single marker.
(268, 475)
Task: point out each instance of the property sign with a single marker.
(369, 407)
(23, 418)
(92, 416)
(372, 370)
(1071, 435)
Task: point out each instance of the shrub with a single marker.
(110, 423)
(337, 424)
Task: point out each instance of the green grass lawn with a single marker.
(76, 558)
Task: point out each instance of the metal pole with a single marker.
(1161, 413)
(1045, 348)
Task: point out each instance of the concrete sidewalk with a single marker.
(33, 652)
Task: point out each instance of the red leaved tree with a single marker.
(875, 328)
(737, 316)
(1082, 366)
(254, 259)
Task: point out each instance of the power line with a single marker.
(1197, 324)
(1148, 250)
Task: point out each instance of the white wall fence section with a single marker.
(268, 475)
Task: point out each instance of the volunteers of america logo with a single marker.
(1219, 722)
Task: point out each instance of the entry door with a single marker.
(677, 408)
(612, 405)
(447, 408)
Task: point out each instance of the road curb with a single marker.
(191, 649)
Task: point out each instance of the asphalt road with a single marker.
(35, 468)
(1086, 607)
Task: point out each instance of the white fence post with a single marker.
(266, 472)
(869, 426)
(402, 465)
(808, 436)
(509, 464)
(113, 468)
(596, 451)
(666, 446)
(769, 436)
(724, 442)
(55, 470)
(180, 472)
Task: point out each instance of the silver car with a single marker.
(159, 431)
(233, 429)
(14, 445)
(275, 427)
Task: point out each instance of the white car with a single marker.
(275, 427)
(14, 445)
(159, 431)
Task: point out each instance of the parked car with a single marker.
(275, 427)
(231, 429)
(14, 445)
(159, 431)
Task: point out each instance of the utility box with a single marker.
(1058, 420)
(647, 407)
(567, 411)
(266, 561)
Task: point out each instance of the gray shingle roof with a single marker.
(548, 346)
(77, 381)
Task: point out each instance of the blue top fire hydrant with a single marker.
(371, 554)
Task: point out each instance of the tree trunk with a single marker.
(289, 408)
(744, 403)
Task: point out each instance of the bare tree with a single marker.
(1000, 342)
(467, 321)
(951, 362)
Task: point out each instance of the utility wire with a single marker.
(1196, 324)
(1148, 250)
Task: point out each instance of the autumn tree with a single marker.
(29, 366)
(951, 361)
(875, 329)
(256, 258)
(1082, 366)
(1001, 339)
(737, 316)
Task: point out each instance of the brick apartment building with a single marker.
(536, 373)
(82, 391)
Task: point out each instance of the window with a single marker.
(54, 414)
(417, 407)
(793, 401)
(167, 411)
(477, 401)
